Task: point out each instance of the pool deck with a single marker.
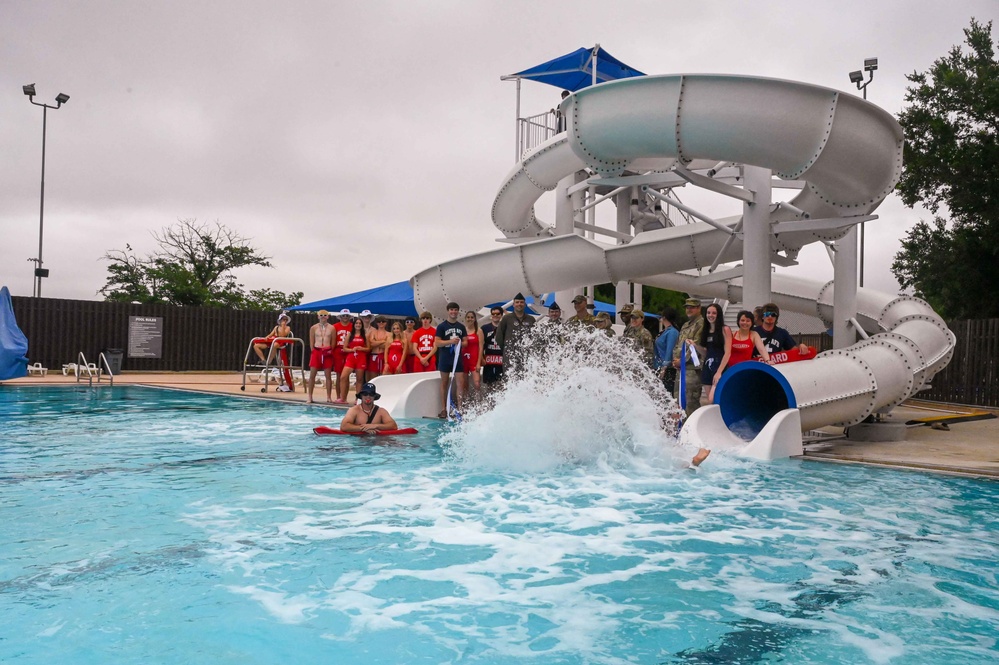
(962, 448)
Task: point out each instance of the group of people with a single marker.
(471, 358)
(712, 347)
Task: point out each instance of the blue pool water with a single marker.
(154, 526)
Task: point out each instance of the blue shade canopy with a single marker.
(391, 299)
(574, 71)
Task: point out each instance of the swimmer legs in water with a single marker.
(702, 454)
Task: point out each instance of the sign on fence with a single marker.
(145, 337)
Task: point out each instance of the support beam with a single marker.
(845, 290)
(756, 237)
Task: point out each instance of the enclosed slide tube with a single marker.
(847, 151)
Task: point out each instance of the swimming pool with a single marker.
(145, 525)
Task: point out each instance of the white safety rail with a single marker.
(534, 130)
(657, 132)
(273, 369)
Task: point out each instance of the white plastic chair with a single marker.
(37, 370)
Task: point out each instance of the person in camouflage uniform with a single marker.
(691, 331)
(638, 334)
(582, 316)
(602, 321)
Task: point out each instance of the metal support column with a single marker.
(622, 290)
(756, 237)
(845, 290)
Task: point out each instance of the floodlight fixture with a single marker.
(870, 64)
(62, 98)
(856, 77)
(29, 89)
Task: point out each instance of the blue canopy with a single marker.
(13, 343)
(391, 299)
(574, 71)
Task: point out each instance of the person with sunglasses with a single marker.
(492, 354)
(407, 336)
(422, 345)
(321, 341)
(774, 337)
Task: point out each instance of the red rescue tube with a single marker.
(791, 355)
(329, 431)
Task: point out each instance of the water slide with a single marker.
(847, 152)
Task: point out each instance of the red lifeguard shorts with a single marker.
(322, 358)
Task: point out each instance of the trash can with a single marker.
(114, 357)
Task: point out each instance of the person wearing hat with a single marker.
(602, 321)
(280, 331)
(690, 334)
(321, 342)
(342, 330)
(639, 336)
(511, 336)
(625, 313)
(554, 313)
(366, 416)
(581, 317)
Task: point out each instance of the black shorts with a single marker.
(492, 373)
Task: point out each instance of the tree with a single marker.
(193, 267)
(951, 156)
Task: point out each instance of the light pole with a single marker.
(857, 77)
(61, 99)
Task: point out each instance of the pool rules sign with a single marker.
(145, 337)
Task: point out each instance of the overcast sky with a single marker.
(357, 143)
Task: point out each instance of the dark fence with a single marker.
(972, 377)
(193, 338)
(208, 339)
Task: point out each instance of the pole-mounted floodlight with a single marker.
(61, 98)
(857, 78)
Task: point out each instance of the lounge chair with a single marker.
(37, 370)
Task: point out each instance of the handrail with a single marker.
(81, 362)
(272, 354)
(103, 359)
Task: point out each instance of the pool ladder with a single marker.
(91, 369)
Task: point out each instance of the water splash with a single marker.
(583, 397)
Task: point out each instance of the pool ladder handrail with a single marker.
(83, 366)
(272, 354)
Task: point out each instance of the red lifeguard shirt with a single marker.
(423, 339)
(342, 332)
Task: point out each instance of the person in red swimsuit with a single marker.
(341, 330)
(744, 340)
(408, 335)
(395, 355)
(473, 355)
(422, 347)
(356, 346)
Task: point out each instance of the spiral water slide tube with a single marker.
(847, 152)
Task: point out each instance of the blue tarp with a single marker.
(391, 299)
(13, 343)
(574, 71)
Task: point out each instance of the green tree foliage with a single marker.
(951, 156)
(193, 267)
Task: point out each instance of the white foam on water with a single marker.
(584, 398)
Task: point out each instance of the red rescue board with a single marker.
(329, 431)
(791, 356)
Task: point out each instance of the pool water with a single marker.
(152, 526)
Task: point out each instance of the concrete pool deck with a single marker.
(966, 448)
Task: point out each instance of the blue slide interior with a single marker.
(750, 394)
